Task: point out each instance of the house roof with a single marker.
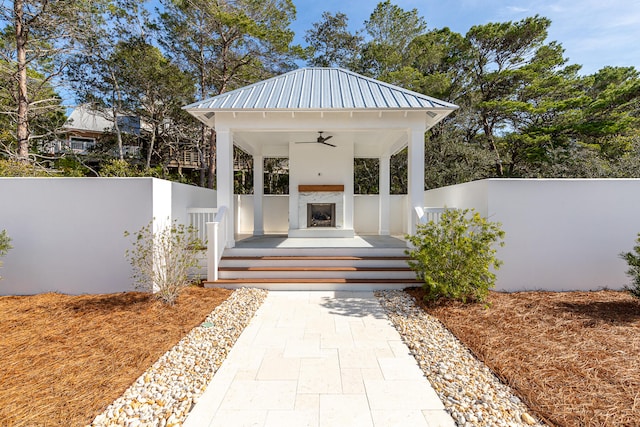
(84, 118)
(320, 89)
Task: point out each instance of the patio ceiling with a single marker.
(367, 143)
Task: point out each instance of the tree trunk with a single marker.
(203, 156)
(152, 143)
(488, 131)
(22, 130)
(116, 127)
(212, 159)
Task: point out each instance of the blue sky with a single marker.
(594, 33)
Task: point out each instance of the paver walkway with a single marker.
(319, 359)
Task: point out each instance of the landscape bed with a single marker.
(66, 358)
(571, 356)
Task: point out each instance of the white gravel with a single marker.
(470, 391)
(166, 392)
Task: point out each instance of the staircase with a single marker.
(315, 269)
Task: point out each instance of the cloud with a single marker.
(517, 10)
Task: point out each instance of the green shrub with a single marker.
(454, 256)
(633, 260)
(161, 260)
(5, 244)
(13, 168)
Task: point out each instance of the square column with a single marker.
(384, 198)
(415, 164)
(258, 191)
(224, 175)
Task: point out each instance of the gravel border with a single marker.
(165, 394)
(469, 390)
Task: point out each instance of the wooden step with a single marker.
(315, 284)
(310, 268)
(311, 280)
(314, 258)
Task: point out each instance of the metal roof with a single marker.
(320, 89)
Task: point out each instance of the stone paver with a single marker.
(319, 359)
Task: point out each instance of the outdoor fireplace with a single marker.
(321, 215)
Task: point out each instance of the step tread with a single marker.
(310, 268)
(314, 258)
(311, 280)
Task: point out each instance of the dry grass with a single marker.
(64, 359)
(574, 357)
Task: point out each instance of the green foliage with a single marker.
(633, 260)
(5, 245)
(161, 259)
(366, 176)
(15, 168)
(330, 42)
(122, 168)
(390, 29)
(454, 256)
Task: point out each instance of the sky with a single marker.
(594, 33)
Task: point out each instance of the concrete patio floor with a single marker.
(273, 241)
(319, 359)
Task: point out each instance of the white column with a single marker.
(258, 190)
(224, 175)
(415, 163)
(384, 199)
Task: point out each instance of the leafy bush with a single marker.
(454, 256)
(161, 260)
(5, 244)
(633, 259)
(13, 168)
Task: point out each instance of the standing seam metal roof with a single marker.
(319, 89)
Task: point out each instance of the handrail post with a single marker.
(216, 242)
(212, 251)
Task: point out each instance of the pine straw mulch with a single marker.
(64, 358)
(573, 357)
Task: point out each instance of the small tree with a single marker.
(454, 256)
(5, 245)
(633, 260)
(161, 260)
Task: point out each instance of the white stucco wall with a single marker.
(189, 196)
(461, 196)
(275, 211)
(67, 233)
(561, 234)
(366, 214)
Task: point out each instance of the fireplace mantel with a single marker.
(320, 188)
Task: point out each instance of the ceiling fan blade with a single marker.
(326, 143)
(327, 137)
(305, 142)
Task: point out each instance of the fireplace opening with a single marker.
(321, 215)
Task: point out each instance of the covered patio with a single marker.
(321, 119)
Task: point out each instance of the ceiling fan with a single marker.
(320, 140)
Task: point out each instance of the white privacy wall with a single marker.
(275, 212)
(561, 234)
(67, 233)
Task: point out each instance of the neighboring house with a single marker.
(184, 158)
(86, 126)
